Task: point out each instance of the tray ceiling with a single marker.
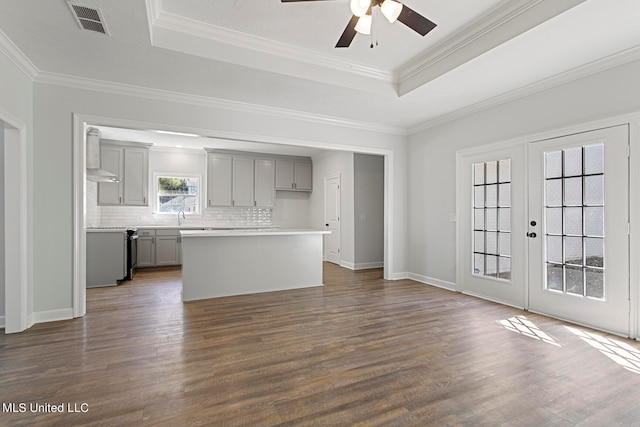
(279, 57)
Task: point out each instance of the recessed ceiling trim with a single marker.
(169, 96)
(615, 60)
(204, 31)
(504, 22)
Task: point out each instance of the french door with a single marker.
(547, 229)
(578, 228)
(492, 251)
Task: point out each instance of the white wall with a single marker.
(326, 165)
(368, 210)
(53, 111)
(292, 209)
(432, 167)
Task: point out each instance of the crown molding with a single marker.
(208, 33)
(506, 21)
(15, 55)
(499, 15)
(203, 101)
(612, 61)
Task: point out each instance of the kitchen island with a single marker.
(218, 263)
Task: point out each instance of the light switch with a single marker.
(452, 217)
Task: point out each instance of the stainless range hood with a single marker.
(94, 172)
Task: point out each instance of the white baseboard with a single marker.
(52, 315)
(433, 282)
(399, 276)
(361, 265)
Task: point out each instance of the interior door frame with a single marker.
(633, 121)
(18, 251)
(326, 180)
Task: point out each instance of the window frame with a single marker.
(156, 195)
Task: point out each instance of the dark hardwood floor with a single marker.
(358, 351)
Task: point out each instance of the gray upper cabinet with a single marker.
(219, 180)
(243, 182)
(265, 176)
(130, 162)
(244, 179)
(295, 175)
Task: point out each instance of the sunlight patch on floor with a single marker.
(620, 352)
(524, 326)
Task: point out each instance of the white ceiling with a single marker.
(280, 56)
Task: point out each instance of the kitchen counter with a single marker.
(249, 232)
(203, 227)
(218, 263)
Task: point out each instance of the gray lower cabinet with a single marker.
(159, 247)
(168, 247)
(146, 248)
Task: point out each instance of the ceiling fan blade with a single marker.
(349, 33)
(415, 21)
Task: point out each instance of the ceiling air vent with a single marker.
(89, 18)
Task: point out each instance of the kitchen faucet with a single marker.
(183, 217)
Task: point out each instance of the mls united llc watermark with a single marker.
(44, 408)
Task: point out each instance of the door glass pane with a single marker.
(554, 220)
(478, 198)
(504, 170)
(478, 219)
(554, 249)
(553, 164)
(573, 191)
(553, 192)
(574, 280)
(594, 280)
(594, 252)
(594, 221)
(573, 250)
(594, 159)
(491, 243)
(573, 161)
(555, 278)
(594, 190)
(491, 172)
(491, 265)
(504, 268)
(574, 221)
(478, 173)
(492, 219)
(491, 196)
(504, 219)
(504, 195)
(504, 244)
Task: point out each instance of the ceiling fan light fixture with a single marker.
(364, 24)
(391, 10)
(360, 7)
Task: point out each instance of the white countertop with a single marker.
(252, 232)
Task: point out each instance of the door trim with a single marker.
(326, 180)
(18, 250)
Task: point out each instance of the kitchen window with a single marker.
(177, 193)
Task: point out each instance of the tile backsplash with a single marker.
(108, 216)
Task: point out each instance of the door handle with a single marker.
(532, 235)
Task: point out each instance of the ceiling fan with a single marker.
(361, 20)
